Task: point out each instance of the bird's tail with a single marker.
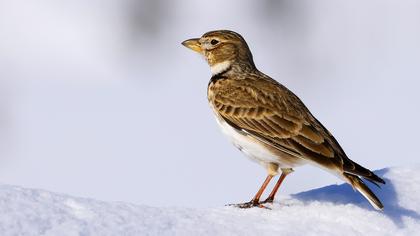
(358, 184)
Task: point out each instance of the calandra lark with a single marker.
(268, 122)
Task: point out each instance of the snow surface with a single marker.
(331, 210)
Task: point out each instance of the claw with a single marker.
(268, 200)
(249, 205)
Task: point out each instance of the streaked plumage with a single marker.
(266, 121)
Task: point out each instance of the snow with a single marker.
(331, 210)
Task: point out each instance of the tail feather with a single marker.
(353, 168)
(360, 186)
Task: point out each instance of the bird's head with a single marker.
(222, 50)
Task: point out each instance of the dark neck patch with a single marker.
(219, 76)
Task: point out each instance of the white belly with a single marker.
(248, 145)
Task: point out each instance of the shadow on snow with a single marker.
(344, 194)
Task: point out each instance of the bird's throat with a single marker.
(219, 68)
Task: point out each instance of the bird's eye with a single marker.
(214, 42)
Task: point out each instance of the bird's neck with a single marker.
(220, 67)
(231, 66)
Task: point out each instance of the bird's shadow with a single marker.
(344, 194)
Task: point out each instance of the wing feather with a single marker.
(272, 113)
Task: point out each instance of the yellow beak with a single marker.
(193, 44)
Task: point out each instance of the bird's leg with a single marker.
(255, 202)
(270, 198)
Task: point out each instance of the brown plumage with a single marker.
(268, 122)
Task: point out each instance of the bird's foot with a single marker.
(250, 204)
(268, 200)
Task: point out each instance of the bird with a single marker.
(268, 122)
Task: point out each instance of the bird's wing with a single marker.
(274, 115)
